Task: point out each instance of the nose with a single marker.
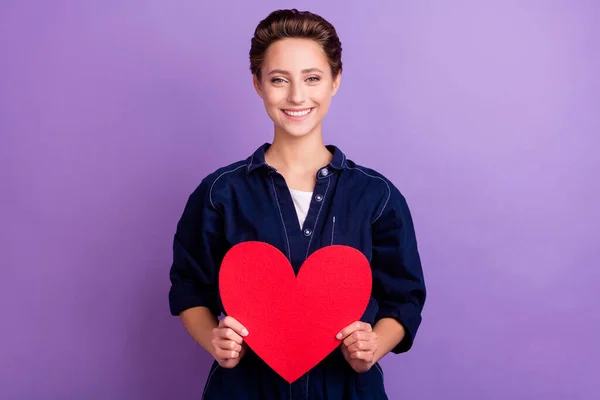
(297, 93)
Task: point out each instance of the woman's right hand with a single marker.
(228, 342)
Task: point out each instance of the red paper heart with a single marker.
(292, 320)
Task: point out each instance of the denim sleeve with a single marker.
(398, 282)
(198, 247)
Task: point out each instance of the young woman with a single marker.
(298, 195)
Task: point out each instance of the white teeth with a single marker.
(297, 113)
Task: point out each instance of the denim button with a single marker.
(318, 198)
(307, 232)
(324, 172)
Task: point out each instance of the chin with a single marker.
(298, 131)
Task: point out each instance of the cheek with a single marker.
(323, 98)
(273, 97)
(322, 93)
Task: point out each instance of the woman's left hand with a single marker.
(359, 345)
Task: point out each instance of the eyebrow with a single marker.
(304, 71)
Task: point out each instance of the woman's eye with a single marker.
(311, 79)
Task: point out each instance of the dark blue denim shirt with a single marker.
(351, 205)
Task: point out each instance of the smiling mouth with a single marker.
(298, 113)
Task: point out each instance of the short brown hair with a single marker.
(292, 23)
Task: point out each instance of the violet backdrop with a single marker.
(112, 112)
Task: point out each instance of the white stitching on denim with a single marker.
(380, 370)
(317, 219)
(213, 185)
(208, 380)
(333, 230)
(307, 376)
(386, 184)
(250, 163)
(282, 221)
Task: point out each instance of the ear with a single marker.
(257, 85)
(336, 83)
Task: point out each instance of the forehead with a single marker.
(294, 54)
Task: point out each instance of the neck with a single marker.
(302, 154)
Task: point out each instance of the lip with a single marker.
(302, 118)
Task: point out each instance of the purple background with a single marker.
(112, 112)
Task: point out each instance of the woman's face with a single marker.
(296, 86)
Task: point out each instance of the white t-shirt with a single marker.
(301, 203)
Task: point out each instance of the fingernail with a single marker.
(244, 332)
(338, 336)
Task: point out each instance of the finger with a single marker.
(229, 334)
(221, 354)
(344, 333)
(228, 345)
(355, 326)
(353, 338)
(230, 322)
(365, 356)
(359, 336)
(362, 345)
